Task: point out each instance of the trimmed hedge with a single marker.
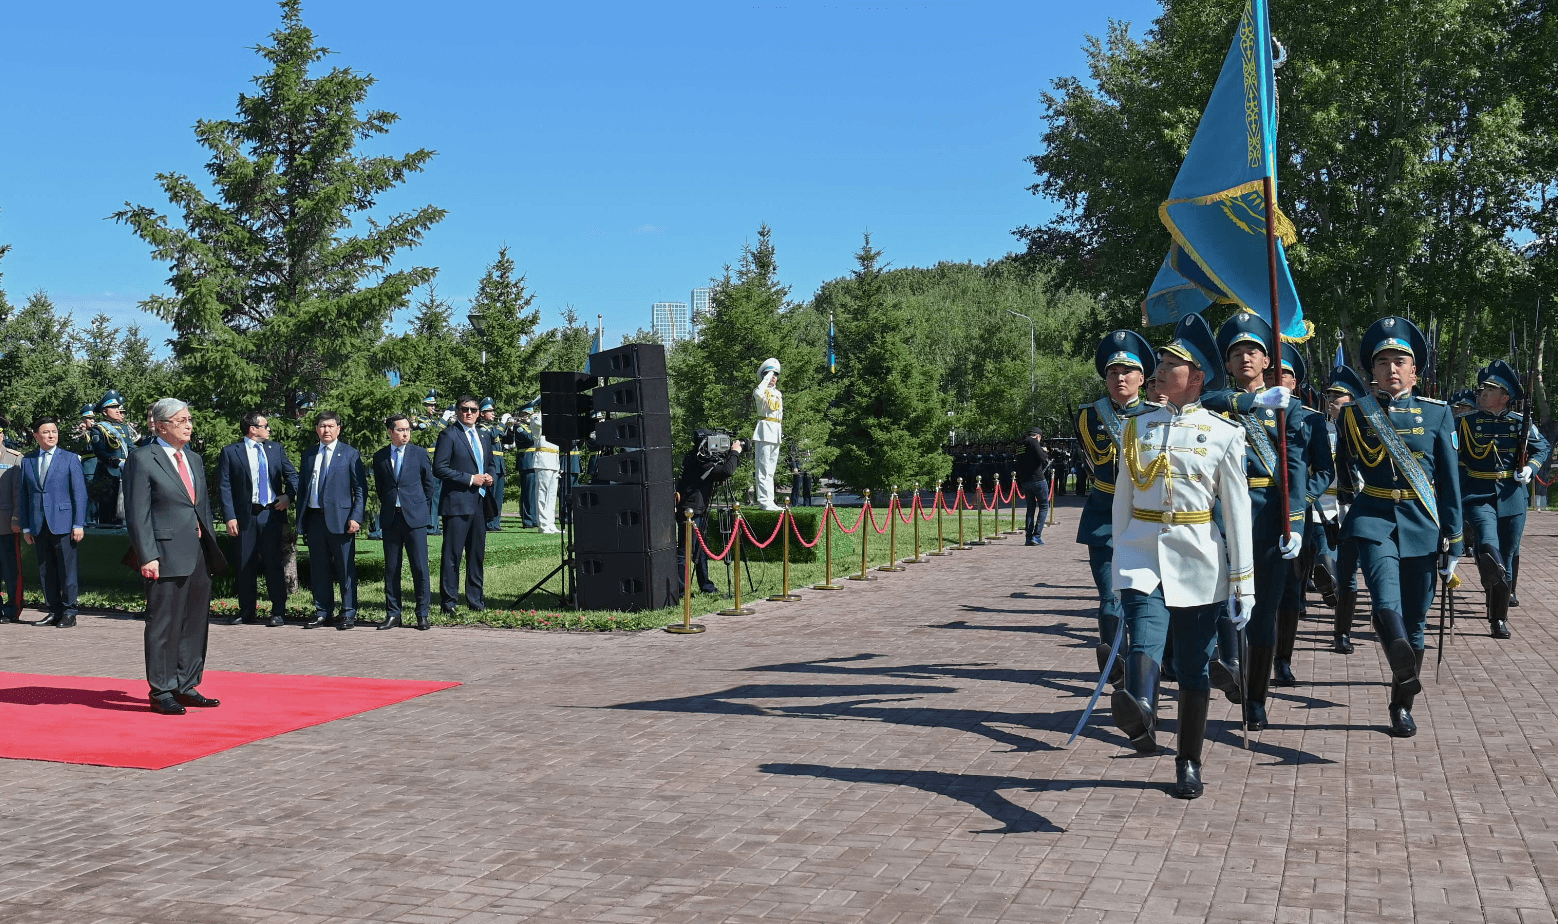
(761, 522)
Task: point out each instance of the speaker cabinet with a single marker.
(629, 361)
(623, 517)
(636, 396)
(635, 466)
(628, 580)
(635, 431)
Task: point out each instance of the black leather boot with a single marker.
(1346, 606)
(1224, 669)
(1133, 706)
(1323, 574)
(1192, 732)
(1287, 636)
(1258, 676)
(1398, 651)
(1108, 625)
(1514, 579)
(1495, 583)
(1401, 723)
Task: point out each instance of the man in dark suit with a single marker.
(334, 486)
(168, 514)
(256, 484)
(463, 462)
(54, 518)
(403, 478)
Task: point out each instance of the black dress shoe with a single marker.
(345, 624)
(708, 588)
(68, 621)
(193, 698)
(318, 622)
(422, 622)
(390, 622)
(166, 704)
(1500, 628)
(1282, 675)
(1401, 724)
(1187, 781)
(277, 620)
(1342, 644)
(50, 620)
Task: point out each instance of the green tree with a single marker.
(503, 352)
(282, 282)
(889, 415)
(40, 374)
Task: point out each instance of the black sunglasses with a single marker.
(470, 410)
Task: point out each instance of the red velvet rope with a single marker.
(796, 529)
(847, 530)
(775, 535)
(709, 552)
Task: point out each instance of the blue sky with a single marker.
(624, 152)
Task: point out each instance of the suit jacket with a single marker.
(164, 524)
(235, 486)
(343, 494)
(10, 490)
(413, 489)
(454, 464)
(61, 505)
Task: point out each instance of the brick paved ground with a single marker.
(889, 753)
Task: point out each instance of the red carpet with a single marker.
(108, 722)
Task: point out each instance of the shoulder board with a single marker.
(1225, 422)
(1424, 400)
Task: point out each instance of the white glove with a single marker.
(1240, 608)
(1273, 398)
(448, 416)
(1448, 571)
(1524, 475)
(1289, 547)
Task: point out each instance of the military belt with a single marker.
(1491, 476)
(1261, 481)
(1173, 517)
(1331, 491)
(1104, 486)
(774, 419)
(542, 449)
(1395, 494)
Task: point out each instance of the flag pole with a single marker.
(1270, 183)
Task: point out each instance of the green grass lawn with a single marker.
(516, 559)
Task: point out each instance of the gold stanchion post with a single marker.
(784, 595)
(979, 513)
(827, 548)
(1012, 486)
(956, 500)
(892, 536)
(914, 515)
(737, 609)
(938, 507)
(688, 627)
(865, 532)
(1050, 520)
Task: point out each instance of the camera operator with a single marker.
(711, 462)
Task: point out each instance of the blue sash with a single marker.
(1261, 440)
(1105, 409)
(1400, 454)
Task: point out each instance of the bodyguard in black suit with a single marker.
(403, 478)
(256, 484)
(334, 489)
(54, 517)
(463, 462)
(167, 511)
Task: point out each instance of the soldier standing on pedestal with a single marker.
(112, 441)
(1494, 483)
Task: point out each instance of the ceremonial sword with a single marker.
(1114, 652)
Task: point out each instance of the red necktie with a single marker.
(184, 474)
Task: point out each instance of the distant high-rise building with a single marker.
(701, 298)
(670, 321)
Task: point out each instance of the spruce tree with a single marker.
(503, 353)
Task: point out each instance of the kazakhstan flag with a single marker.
(1216, 212)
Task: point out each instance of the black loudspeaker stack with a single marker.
(625, 518)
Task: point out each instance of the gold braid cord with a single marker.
(1159, 466)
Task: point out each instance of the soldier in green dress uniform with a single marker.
(1494, 483)
(1406, 518)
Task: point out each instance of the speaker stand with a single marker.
(565, 567)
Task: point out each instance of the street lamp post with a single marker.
(1033, 353)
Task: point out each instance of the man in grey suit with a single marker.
(168, 515)
(335, 494)
(403, 478)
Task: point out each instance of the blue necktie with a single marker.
(397, 474)
(476, 451)
(259, 449)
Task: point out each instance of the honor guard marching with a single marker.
(1463, 402)
(425, 428)
(1320, 468)
(1246, 343)
(1500, 452)
(487, 423)
(1344, 389)
(1408, 512)
(1124, 359)
(112, 441)
(1174, 568)
(769, 431)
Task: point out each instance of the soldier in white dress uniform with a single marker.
(1173, 567)
(768, 432)
(547, 466)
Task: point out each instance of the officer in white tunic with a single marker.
(1173, 567)
(768, 432)
(547, 466)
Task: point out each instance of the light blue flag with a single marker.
(596, 344)
(1216, 211)
(1341, 356)
(832, 357)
